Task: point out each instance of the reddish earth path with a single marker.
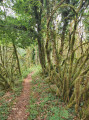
(19, 109)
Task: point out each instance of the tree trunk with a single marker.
(15, 51)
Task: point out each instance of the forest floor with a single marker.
(44, 105)
(34, 101)
(18, 111)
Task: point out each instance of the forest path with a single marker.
(19, 109)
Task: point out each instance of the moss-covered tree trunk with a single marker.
(38, 17)
(17, 58)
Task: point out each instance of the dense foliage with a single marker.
(59, 31)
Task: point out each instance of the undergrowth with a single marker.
(44, 105)
(7, 98)
(29, 70)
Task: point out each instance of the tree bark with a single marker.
(15, 51)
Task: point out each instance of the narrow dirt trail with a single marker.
(19, 109)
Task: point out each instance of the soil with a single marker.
(19, 108)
